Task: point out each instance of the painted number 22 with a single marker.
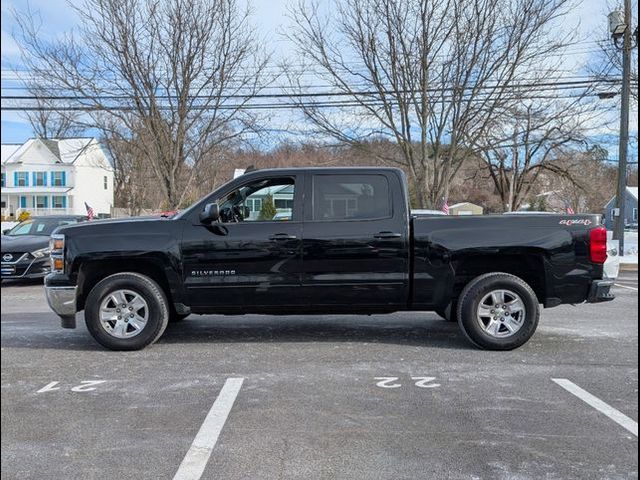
(419, 382)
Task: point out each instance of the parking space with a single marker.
(395, 396)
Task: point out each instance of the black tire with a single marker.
(470, 300)
(158, 315)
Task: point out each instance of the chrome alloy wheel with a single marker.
(123, 313)
(501, 313)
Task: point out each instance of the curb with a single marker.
(628, 267)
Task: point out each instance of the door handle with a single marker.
(387, 235)
(279, 237)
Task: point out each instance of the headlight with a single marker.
(43, 252)
(56, 247)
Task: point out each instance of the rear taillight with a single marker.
(598, 245)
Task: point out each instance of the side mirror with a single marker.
(210, 213)
(5, 231)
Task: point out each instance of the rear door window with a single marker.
(351, 197)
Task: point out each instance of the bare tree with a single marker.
(591, 180)
(522, 146)
(48, 122)
(175, 75)
(431, 75)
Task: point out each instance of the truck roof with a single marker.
(341, 170)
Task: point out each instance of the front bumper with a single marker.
(601, 291)
(62, 300)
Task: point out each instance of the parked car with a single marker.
(282, 217)
(351, 247)
(25, 247)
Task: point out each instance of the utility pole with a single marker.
(620, 27)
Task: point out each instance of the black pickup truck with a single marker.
(323, 241)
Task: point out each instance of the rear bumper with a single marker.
(601, 291)
(62, 301)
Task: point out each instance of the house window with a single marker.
(283, 204)
(254, 204)
(40, 179)
(105, 182)
(21, 179)
(41, 201)
(635, 215)
(58, 179)
(58, 201)
(4, 180)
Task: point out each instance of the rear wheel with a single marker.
(126, 311)
(498, 311)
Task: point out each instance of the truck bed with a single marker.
(550, 251)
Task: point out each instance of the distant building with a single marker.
(465, 208)
(630, 210)
(49, 177)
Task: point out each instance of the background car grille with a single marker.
(8, 270)
(15, 256)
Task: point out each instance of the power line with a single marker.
(270, 106)
(537, 86)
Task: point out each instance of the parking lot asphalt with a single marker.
(400, 396)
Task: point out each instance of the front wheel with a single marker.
(498, 311)
(126, 311)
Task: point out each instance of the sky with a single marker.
(269, 17)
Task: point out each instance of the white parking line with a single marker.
(195, 461)
(628, 288)
(615, 415)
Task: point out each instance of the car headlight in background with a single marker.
(42, 252)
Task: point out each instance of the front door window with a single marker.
(267, 200)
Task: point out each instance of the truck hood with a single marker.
(24, 243)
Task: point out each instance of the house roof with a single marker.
(462, 204)
(8, 149)
(633, 191)
(66, 150)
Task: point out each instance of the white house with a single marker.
(49, 177)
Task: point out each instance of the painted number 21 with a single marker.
(419, 382)
(85, 386)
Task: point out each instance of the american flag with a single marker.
(445, 207)
(570, 211)
(90, 213)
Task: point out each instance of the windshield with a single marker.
(40, 226)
